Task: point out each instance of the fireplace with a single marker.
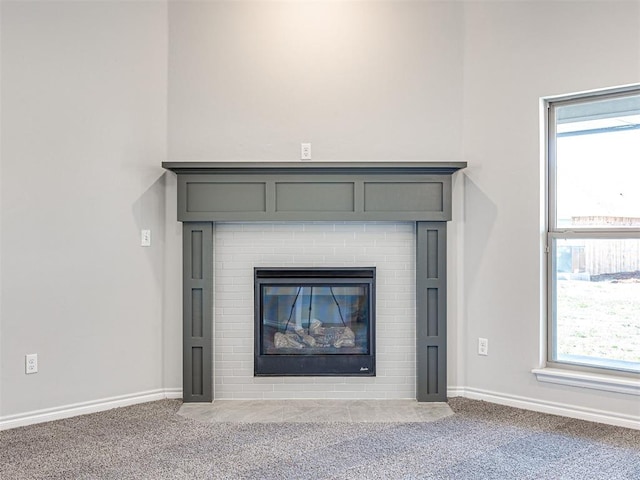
(211, 193)
(314, 322)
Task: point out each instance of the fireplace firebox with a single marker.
(318, 322)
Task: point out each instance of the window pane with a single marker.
(597, 302)
(598, 164)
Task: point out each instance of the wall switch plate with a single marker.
(483, 346)
(31, 363)
(305, 151)
(145, 238)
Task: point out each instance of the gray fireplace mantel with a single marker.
(210, 192)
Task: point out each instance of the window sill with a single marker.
(608, 383)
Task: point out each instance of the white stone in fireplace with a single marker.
(239, 247)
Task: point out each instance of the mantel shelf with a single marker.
(314, 191)
(312, 167)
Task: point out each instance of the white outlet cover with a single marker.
(31, 363)
(483, 346)
(305, 151)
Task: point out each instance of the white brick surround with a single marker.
(239, 247)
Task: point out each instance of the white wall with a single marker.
(515, 53)
(85, 105)
(360, 80)
(83, 135)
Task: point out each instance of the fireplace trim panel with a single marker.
(211, 192)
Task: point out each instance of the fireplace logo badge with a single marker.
(364, 369)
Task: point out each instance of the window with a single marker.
(594, 230)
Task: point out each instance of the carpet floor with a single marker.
(480, 441)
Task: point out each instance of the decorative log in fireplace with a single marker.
(211, 192)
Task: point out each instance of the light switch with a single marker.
(145, 238)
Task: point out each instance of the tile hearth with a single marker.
(315, 411)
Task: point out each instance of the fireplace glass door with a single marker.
(315, 321)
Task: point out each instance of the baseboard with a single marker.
(83, 408)
(554, 408)
(455, 391)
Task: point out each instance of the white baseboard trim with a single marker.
(455, 391)
(554, 408)
(83, 408)
(173, 393)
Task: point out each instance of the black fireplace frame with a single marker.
(310, 364)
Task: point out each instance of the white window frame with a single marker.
(598, 377)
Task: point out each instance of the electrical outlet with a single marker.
(305, 151)
(483, 346)
(31, 363)
(145, 238)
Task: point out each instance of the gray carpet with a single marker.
(480, 441)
